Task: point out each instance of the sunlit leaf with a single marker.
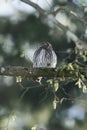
(72, 12)
(34, 127)
(70, 66)
(22, 54)
(56, 85)
(13, 117)
(54, 104)
(82, 76)
(84, 89)
(79, 83)
(77, 74)
(50, 81)
(82, 85)
(84, 58)
(18, 79)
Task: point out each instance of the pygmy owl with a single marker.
(45, 56)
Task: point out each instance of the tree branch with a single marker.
(40, 72)
(79, 43)
(38, 8)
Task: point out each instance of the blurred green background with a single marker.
(30, 106)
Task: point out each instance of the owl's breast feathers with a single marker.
(45, 57)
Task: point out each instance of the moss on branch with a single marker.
(41, 72)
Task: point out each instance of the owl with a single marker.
(45, 57)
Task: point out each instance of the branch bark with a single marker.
(40, 72)
(38, 8)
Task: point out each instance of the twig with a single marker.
(70, 12)
(37, 7)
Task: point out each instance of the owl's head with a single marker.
(46, 45)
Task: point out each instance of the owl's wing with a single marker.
(53, 59)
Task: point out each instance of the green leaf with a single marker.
(84, 58)
(79, 83)
(34, 127)
(70, 66)
(84, 89)
(22, 54)
(56, 85)
(13, 117)
(50, 81)
(18, 79)
(54, 104)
